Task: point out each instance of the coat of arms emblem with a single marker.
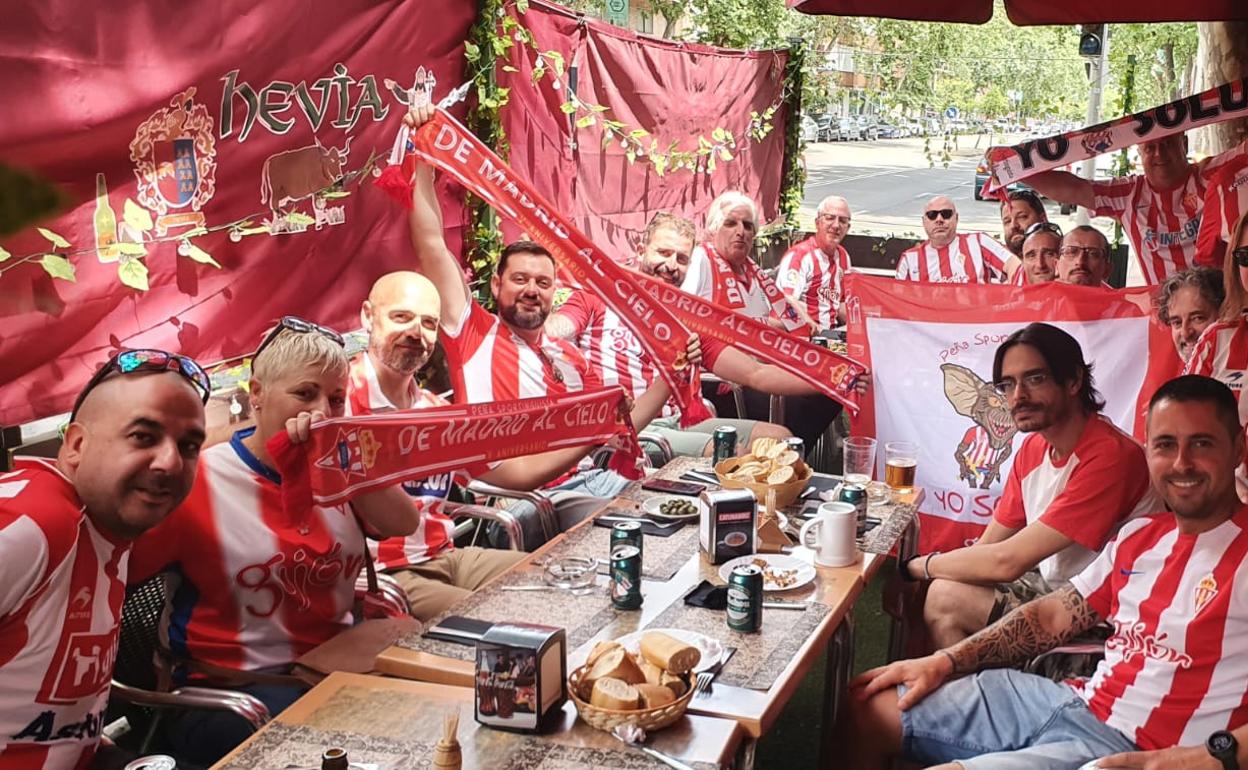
(174, 156)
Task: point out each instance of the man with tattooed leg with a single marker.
(1169, 694)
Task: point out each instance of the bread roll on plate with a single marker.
(669, 653)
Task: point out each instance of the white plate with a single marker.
(712, 649)
(651, 507)
(805, 570)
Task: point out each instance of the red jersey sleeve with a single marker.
(467, 333)
(1203, 352)
(1009, 511)
(1110, 199)
(1102, 491)
(711, 351)
(158, 548)
(577, 311)
(1096, 584)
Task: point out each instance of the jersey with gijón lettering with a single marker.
(811, 278)
(62, 584)
(247, 587)
(1176, 666)
(613, 351)
(968, 258)
(1222, 353)
(1162, 225)
(1085, 498)
(490, 362)
(434, 535)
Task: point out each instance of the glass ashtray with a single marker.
(571, 572)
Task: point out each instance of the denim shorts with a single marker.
(1002, 719)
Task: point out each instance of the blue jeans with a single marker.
(574, 500)
(202, 737)
(1006, 720)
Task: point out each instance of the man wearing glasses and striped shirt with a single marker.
(948, 256)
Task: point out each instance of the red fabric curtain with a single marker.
(675, 92)
(1029, 12)
(278, 91)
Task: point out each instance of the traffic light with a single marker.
(1091, 39)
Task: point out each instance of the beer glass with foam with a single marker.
(901, 460)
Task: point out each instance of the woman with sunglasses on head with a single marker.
(249, 589)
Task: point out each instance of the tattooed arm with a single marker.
(1033, 628)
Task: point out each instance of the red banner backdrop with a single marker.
(676, 93)
(203, 116)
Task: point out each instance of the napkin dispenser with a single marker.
(727, 527)
(521, 680)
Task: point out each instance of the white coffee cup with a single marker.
(834, 544)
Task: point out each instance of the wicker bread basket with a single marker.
(647, 719)
(786, 494)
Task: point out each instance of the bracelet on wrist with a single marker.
(927, 565)
(953, 664)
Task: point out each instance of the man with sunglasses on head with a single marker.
(128, 458)
(1160, 210)
(250, 586)
(1075, 480)
(948, 256)
(1083, 259)
(811, 271)
(1042, 243)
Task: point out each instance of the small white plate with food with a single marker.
(672, 507)
(780, 571)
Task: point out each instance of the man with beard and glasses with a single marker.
(811, 271)
(509, 355)
(402, 315)
(1170, 691)
(616, 353)
(948, 256)
(66, 526)
(1073, 483)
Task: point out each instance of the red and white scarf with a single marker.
(443, 142)
(729, 289)
(348, 456)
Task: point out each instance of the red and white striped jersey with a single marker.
(247, 587)
(712, 279)
(1161, 225)
(969, 258)
(1222, 353)
(62, 584)
(1226, 201)
(613, 351)
(813, 279)
(1086, 498)
(490, 362)
(1176, 666)
(434, 535)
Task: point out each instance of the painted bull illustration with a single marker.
(293, 175)
(987, 444)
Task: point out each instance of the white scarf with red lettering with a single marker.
(348, 456)
(1012, 164)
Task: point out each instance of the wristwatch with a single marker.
(1223, 747)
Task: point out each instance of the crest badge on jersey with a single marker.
(1206, 590)
(354, 452)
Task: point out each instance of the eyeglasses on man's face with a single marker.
(939, 213)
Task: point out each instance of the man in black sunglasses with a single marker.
(129, 458)
(948, 256)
